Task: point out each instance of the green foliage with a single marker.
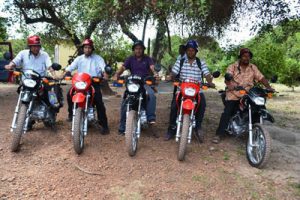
(277, 52)
(3, 30)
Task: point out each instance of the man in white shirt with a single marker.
(33, 58)
(93, 65)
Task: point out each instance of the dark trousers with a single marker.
(230, 109)
(199, 114)
(101, 111)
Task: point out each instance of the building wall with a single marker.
(62, 53)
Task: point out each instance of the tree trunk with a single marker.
(161, 30)
(106, 90)
(144, 29)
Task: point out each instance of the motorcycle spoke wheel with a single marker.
(131, 139)
(78, 135)
(184, 137)
(18, 131)
(259, 153)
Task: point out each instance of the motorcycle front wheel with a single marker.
(259, 153)
(78, 134)
(131, 139)
(17, 133)
(184, 137)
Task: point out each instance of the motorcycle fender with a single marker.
(267, 116)
(26, 96)
(78, 98)
(188, 105)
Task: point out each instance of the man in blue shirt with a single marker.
(141, 65)
(188, 68)
(93, 65)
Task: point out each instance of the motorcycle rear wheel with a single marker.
(131, 139)
(259, 154)
(78, 135)
(17, 133)
(184, 137)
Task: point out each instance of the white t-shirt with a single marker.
(93, 65)
(39, 63)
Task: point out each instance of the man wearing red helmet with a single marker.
(93, 65)
(38, 60)
(33, 58)
(244, 74)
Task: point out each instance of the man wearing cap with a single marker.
(93, 65)
(244, 74)
(141, 65)
(190, 67)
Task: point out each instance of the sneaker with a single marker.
(152, 122)
(122, 133)
(169, 136)
(216, 139)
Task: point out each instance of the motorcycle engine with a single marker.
(91, 114)
(143, 117)
(237, 125)
(40, 112)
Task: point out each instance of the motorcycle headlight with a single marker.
(133, 87)
(29, 83)
(260, 101)
(80, 85)
(190, 91)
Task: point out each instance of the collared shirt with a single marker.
(190, 71)
(139, 67)
(93, 65)
(243, 76)
(39, 63)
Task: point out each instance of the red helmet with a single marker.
(88, 42)
(34, 40)
(245, 50)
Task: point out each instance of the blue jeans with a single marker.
(150, 108)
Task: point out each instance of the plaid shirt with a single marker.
(190, 71)
(244, 77)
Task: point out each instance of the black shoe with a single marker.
(122, 133)
(30, 125)
(169, 136)
(105, 131)
(199, 135)
(70, 118)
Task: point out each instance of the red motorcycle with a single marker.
(82, 93)
(188, 101)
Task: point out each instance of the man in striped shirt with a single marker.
(190, 68)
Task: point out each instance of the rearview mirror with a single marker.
(216, 74)
(274, 79)
(108, 69)
(7, 56)
(228, 77)
(157, 67)
(56, 66)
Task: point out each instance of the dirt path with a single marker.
(47, 167)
